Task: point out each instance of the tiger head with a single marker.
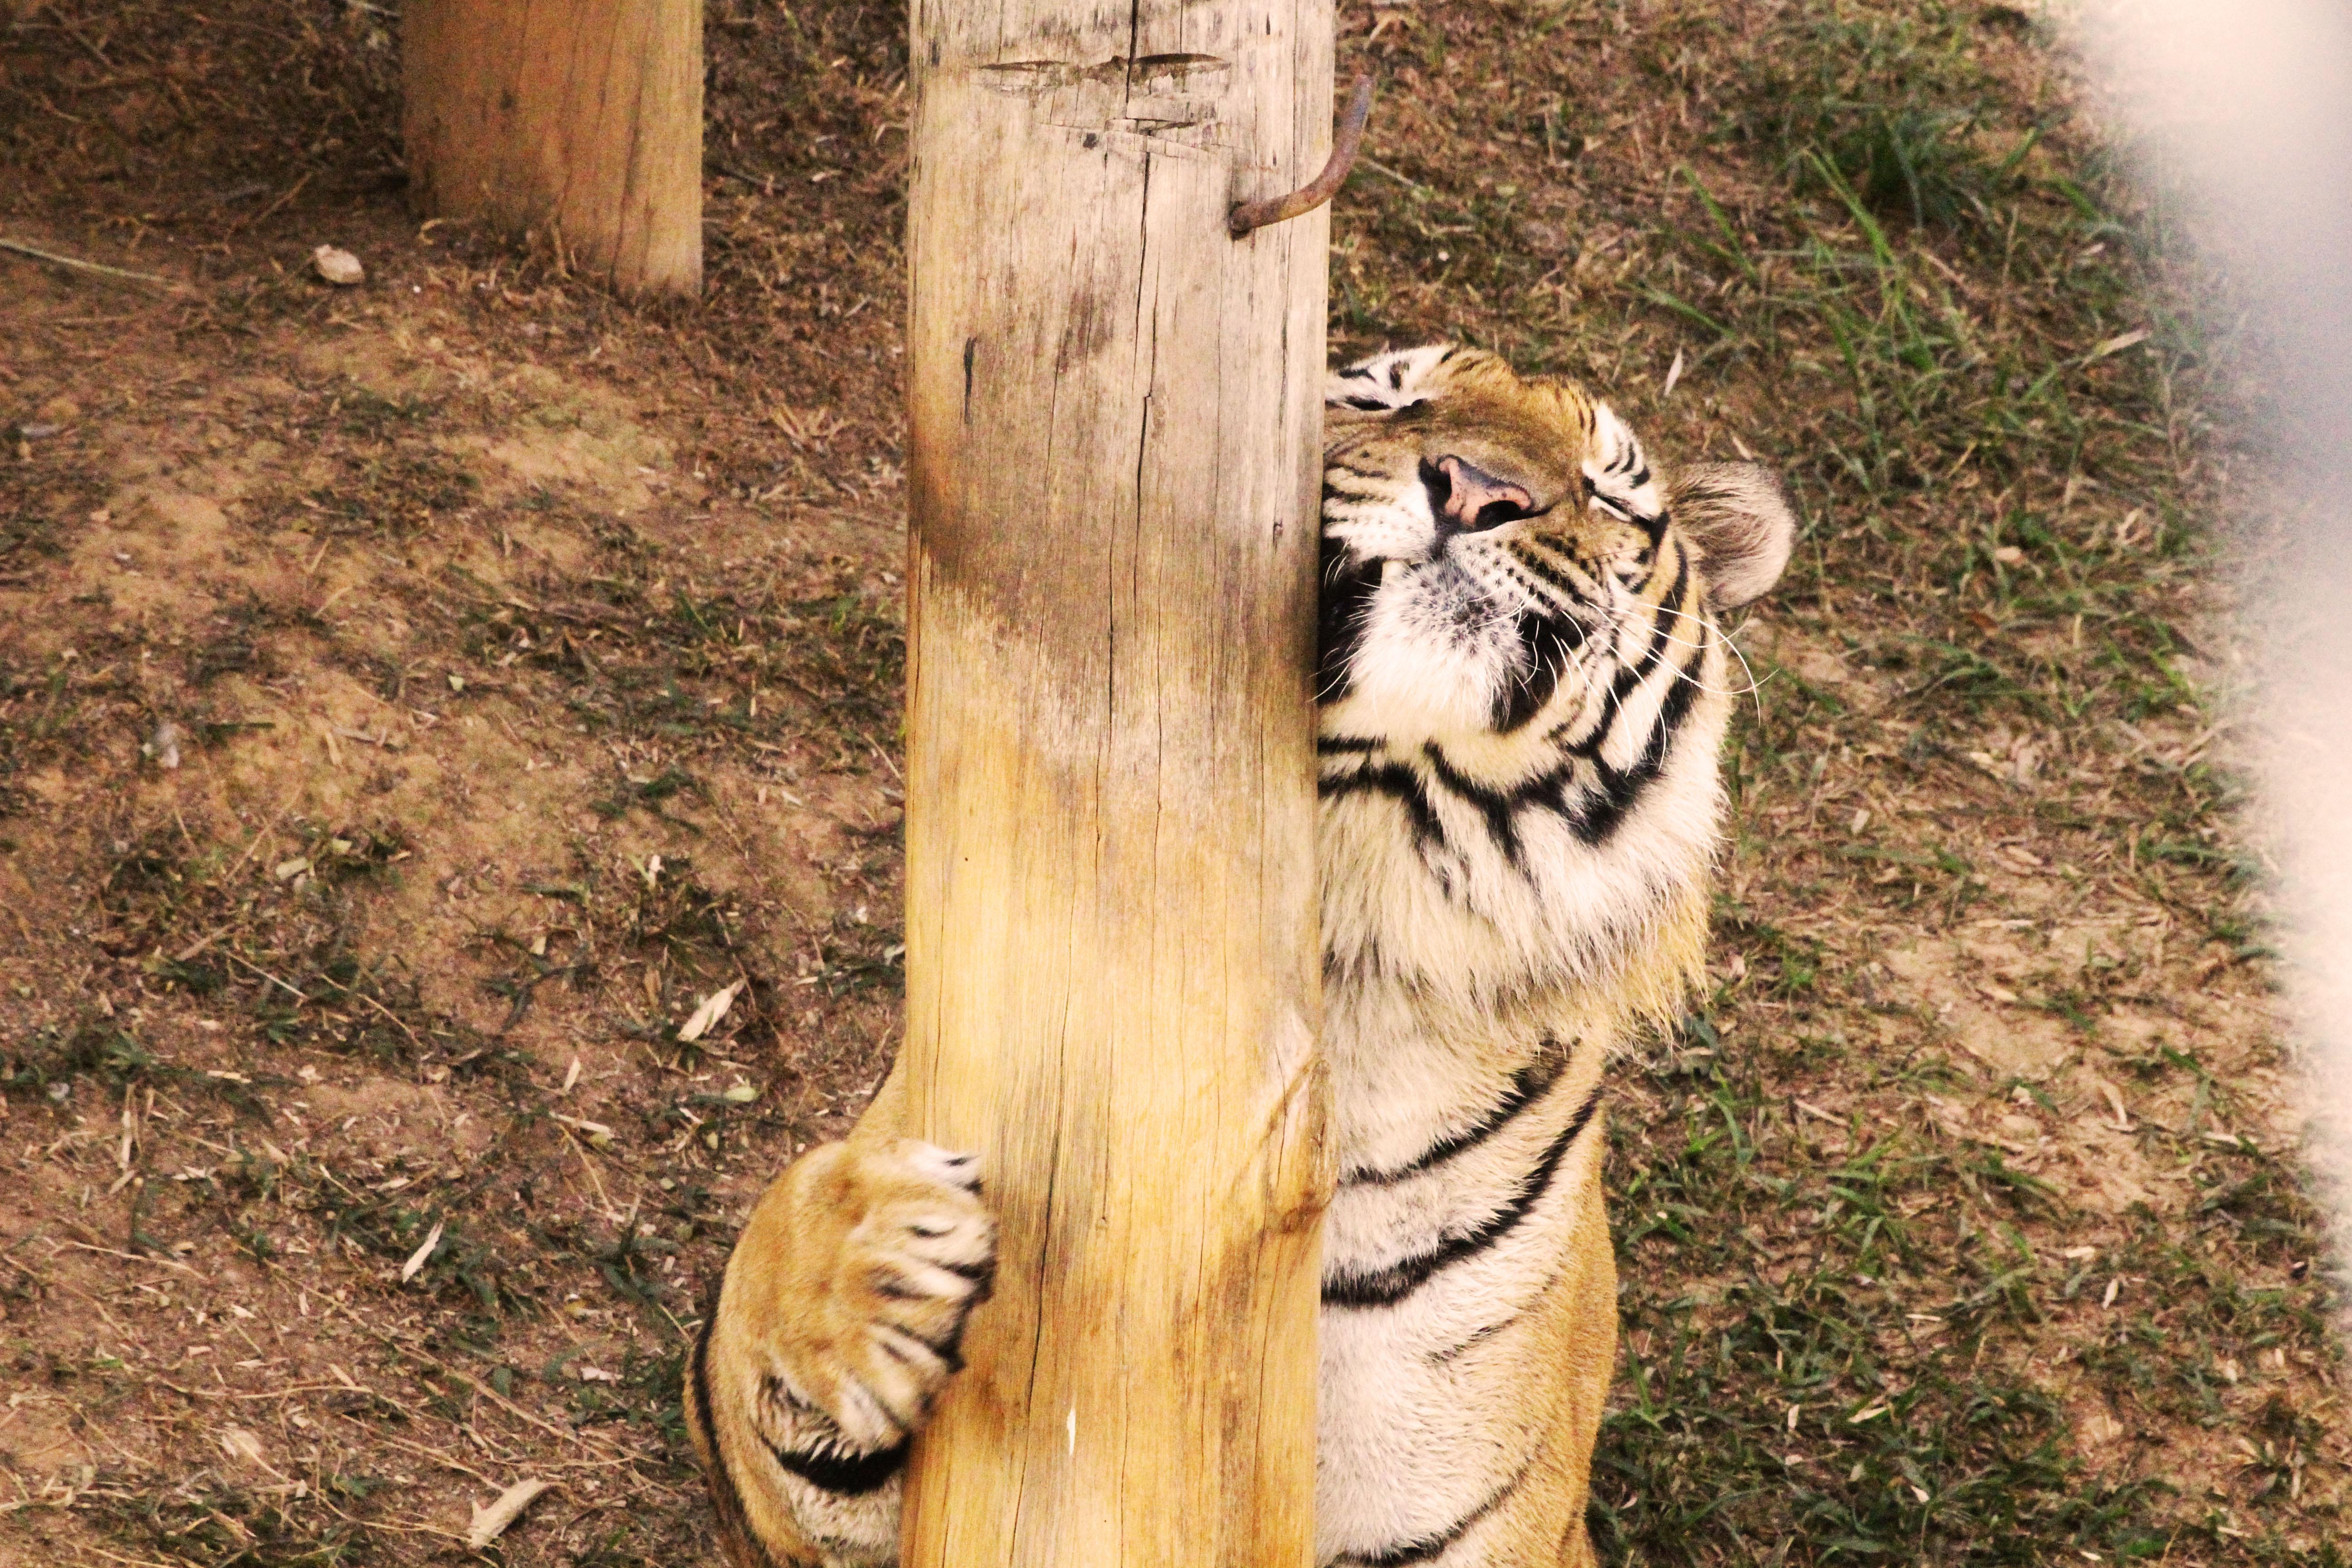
(1522, 672)
(1497, 549)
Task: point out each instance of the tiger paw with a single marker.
(867, 1263)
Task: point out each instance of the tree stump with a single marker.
(579, 121)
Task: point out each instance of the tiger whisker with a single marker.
(1715, 626)
(1686, 675)
(1754, 687)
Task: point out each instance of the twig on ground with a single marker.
(238, 1394)
(586, 1164)
(388, 1013)
(77, 264)
(438, 1457)
(286, 196)
(283, 807)
(416, 1353)
(131, 1256)
(298, 995)
(490, 1522)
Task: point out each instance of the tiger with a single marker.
(1522, 691)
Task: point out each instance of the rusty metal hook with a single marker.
(1345, 145)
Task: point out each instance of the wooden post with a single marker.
(1113, 957)
(580, 119)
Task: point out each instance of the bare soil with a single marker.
(418, 701)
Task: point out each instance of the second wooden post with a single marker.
(579, 119)
(1113, 959)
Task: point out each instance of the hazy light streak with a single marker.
(2248, 108)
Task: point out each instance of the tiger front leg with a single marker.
(836, 1326)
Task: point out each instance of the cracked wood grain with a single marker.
(1113, 960)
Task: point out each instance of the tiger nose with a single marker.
(1465, 499)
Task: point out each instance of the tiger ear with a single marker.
(1737, 516)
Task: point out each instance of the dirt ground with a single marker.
(418, 701)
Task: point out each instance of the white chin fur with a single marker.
(1434, 653)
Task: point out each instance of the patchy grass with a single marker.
(532, 664)
(1887, 1350)
(1927, 1220)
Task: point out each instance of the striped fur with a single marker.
(1523, 692)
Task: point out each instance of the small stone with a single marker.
(1543, 238)
(239, 1444)
(339, 267)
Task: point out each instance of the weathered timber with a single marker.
(1113, 960)
(578, 120)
